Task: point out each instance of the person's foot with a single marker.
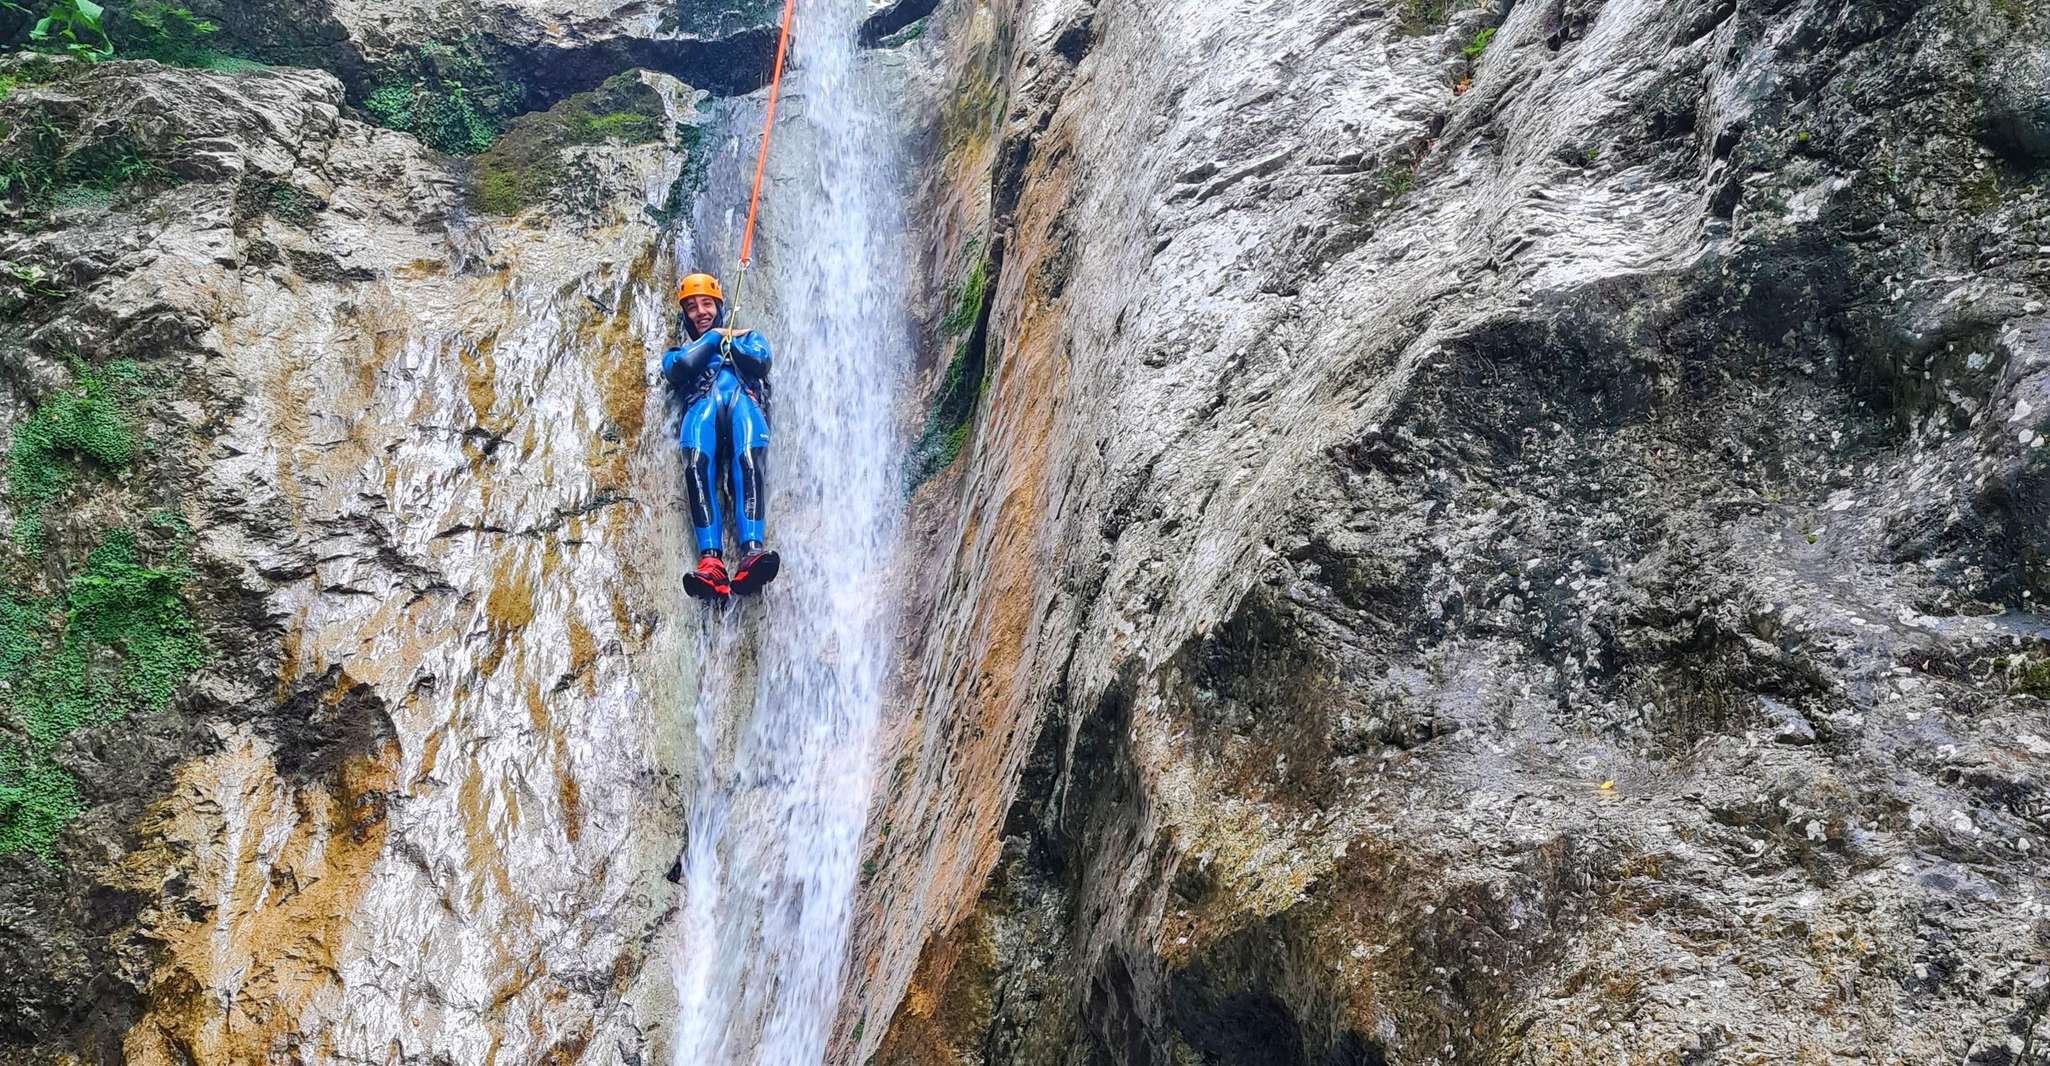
(708, 581)
(757, 568)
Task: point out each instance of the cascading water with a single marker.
(774, 828)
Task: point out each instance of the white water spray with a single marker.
(775, 826)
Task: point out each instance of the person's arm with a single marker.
(750, 352)
(684, 365)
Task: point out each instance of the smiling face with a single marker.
(699, 311)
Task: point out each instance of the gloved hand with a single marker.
(684, 365)
(750, 354)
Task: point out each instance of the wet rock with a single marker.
(1440, 496)
(405, 477)
(2018, 104)
(1788, 724)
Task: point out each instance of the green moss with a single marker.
(87, 423)
(525, 166)
(966, 306)
(119, 640)
(633, 127)
(2031, 679)
(499, 192)
(947, 422)
(2019, 12)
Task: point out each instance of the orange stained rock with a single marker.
(261, 956)
(947, 1008)
(987, 716)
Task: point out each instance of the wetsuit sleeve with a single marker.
(751, 355)
(683, 366)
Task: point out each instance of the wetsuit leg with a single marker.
(749, 429)
(699, 438)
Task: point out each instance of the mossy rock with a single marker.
(525, 166)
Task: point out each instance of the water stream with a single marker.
(788, 687)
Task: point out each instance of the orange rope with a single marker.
(754, 198)
(768, 118)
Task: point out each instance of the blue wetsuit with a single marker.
(724, 421)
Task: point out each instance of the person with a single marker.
(722, 377)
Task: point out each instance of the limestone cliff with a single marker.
(1482, 533)
(342, 522)
(1504, 532)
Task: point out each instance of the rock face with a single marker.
(399, 468)
(1502, 533)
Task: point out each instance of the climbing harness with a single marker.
(754, 198)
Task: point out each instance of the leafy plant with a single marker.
(449, 94)
(37, 799)
(444, 119)
(87, 422)
(1479, 44)
(33, 280)
(73, 27)
(119, 640)
(1397, 180)
(172, 33)
(1420, 16)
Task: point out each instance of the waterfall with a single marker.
(789, 684)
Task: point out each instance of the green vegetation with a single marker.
(114, 638)
(967, 302)
(119, 640)
(170, 33)
(89, 422)
(42, 168)
(289, 205)
(525, 166)
(1415, 17)
(690, 140)
(32, 280)
(443, 117)
(2030, 677)
(72, 27)
(953, 404)
(2016, 11)
(1398, 180)
(451, 95)
(1479, 44)
(37, 799)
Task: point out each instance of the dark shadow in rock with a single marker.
(325, 721)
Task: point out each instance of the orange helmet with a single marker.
(699, 285)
